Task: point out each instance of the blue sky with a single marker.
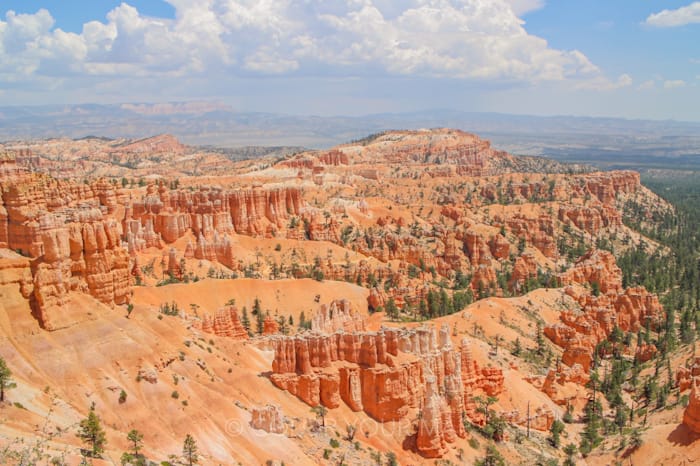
(628, 58)
(70, 15)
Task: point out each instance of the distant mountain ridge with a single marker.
(613, 141)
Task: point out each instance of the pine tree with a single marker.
(259, 323)
(590, 437)
(636, 438)
(391, 309)
(522, 243)
(568, 416)
(556, 430)
(433, 304)
(621, 417)
(422, 308)
(446, 307)
(282, 323)
(321, 412)
(570, 451)
(136, 438)
(245, 320)
(492, 458)
(5, 378)
(517, 347)
(539, 338)
(91, 433)
(189, 450)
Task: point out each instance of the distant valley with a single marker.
(604, 142)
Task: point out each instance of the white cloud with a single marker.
(680, 17)
(521, 7)
(461, 39)
(674, 83)
(268, 61)
(30, 46)
(624, 80)
(601, 83)
(646, 85)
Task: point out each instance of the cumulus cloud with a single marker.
(680, 17)
(462, 39)
(674, 83)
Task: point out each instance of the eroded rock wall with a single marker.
(387, 374)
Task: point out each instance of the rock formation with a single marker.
(595, 267)
(141, 236)
(685, 375)
(691, 415)
(537, 231)
(525, 268)
(253, 211)
(338, 315)
(163, 143)
(645, 352)
(488, 379)
(73, 245)
(470, 155)
(334, 157)
(387, 374)
(477, 248)
(484, 278)
(541, 418)
(607, 186)
(15, 270)
(430, 439)
(268, 418)
(270, 326)
(224, 323)
(606, 306)
(500, 247)
(557, 378)
(590, 219)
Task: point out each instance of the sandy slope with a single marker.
(94, 361)
(283, 297)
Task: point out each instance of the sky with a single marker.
(622, 58)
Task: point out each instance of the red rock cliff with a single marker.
(74, 245)
(387, 374)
